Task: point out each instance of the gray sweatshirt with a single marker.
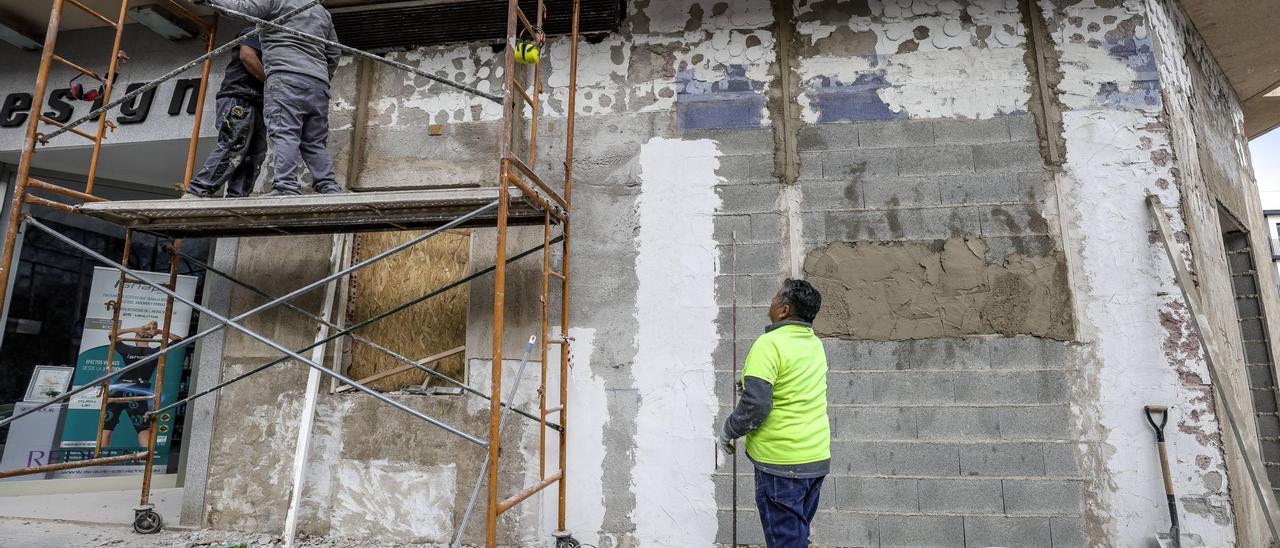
(284, 52)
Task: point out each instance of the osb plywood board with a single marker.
(424, 329)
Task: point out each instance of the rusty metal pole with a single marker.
(106, 97)
(28, 150)
(201, 95)
(545, 303)
(157, 398)
(104, 392)
(564, 267)
(500, 276)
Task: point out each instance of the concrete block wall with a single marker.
(775, 130)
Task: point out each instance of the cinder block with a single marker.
(867, 494)
(1264, 400)
(757, 258)
(837, 194)
(1257, 352)
(1068, 532)
(1060, 460)
(813, 227)
(1019, 220)
(913, 387)
(958, 423)
(856, 164)
(749, 531)
(750, 198)
(897, 458)
(920, 531)
(1022, 127)
(1052, 422)
(1028, 532)
(844, 529)
(896, 133)
(971, 132)
(1240, 262)
(873, 423)
(849, 388)
(1015, 156)
(896, 224)
(1268, 425)
(767, 227)
(1012, 387)
(1248, 308)
(724, 488)
(992, 188)
(738, 141)
(936, 160)
(822, 137)
(1024, 352)
(961, 496)
(746, 168)
(1260, 376)
(1040, 497)
(862, 355)
(946, 354)
(726, 225)
(895, 192)
(1002, 459)
(1244, 285)
(810, 167)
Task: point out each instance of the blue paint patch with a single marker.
(859, 101)
(734, 102)
(1143, 93)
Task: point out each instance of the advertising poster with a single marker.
(141, 325)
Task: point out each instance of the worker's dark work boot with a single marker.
(329, 189)
(277, 193)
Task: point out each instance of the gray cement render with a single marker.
(961, 441)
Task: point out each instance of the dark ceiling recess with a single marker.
(400, 27)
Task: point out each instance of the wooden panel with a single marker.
(427, 328)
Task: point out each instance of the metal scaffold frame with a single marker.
(517, 179)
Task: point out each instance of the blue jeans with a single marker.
(786, 508)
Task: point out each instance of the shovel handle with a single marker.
(1163, 411)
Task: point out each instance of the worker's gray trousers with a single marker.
(297, 114)
(242, 145)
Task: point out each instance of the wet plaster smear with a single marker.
(674, 375)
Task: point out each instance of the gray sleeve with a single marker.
(261, 10)
(753, 408)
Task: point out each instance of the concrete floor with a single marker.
(108, 507)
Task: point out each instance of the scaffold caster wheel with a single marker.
(146, 521)
(566, 540)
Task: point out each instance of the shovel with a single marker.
(1172, 538)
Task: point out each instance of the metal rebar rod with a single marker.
(349, 332)
(256, 336)
(176, 72)
(356, 52)
(302, 290)
(404, 306)
(502, 421)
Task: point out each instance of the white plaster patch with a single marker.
(676, 314)
(967, 83)
(394, 501)
(844, 69)
(588, 413)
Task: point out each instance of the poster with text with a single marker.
(127, 427)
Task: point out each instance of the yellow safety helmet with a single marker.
(528, 50)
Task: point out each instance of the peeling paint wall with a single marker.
(995, 316)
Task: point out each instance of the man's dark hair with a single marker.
(805, 301)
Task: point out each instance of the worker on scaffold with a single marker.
(242, 139)
(296, 98)
(782, 411)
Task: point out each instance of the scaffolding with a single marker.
(521, 197)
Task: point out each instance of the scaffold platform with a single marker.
(312, 213)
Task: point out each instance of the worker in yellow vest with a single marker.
(782, 411)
